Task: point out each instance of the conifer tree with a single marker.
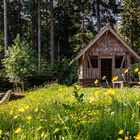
(131, 22)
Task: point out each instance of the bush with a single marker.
(61, 72)
(19, 63)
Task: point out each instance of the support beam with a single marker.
(99, 65)
(122, 62)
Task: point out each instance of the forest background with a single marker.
(39, 38)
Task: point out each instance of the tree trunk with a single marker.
(34, 25)
(83, 28)
(58, 54)
(98, 15)
(5, 25)
(39, 36)
(19, 19)
(51, 32)
(131, 37)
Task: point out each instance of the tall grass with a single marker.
(66, 113)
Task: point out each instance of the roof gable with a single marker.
(99, 35)
(107, 43)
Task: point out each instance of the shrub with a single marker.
(19, 63)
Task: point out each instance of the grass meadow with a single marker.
(57, 112)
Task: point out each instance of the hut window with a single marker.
(93, 62)
(119, 61)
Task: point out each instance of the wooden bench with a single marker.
(134, 84)
(120, 83)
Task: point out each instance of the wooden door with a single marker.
(106, 68)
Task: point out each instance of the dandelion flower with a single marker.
(21, 109)
(92, 100)
(136, 70)
(29, 118)
(0, 132)
(26, 107)
(11, 112)
(107, 93)
(60, 89)
(96, 93)
(115, 78)
(138, 136)
(120, 139)
(126, 71)
(126, 138)
(138, 103)
(36, 110)
(104, 78)
(139, 73)
(15, 117)
(110, 92)
(96, 81)
(17, 130)
(121, 132)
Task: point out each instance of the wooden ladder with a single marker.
(6, 97)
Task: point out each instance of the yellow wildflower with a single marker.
(138, 103)
(17, 130)
(106, 93)
(92, 100)
(0, 132)
(29, 118)
(120, 139)
(96, 81)
(115, 78)
(36, 110)
(126, 138)
(138, 136)
(104, 78)
(139, 73)
(110, 92)
(26, 107)
(16, 116)
(126, 71)
(121, 132)
(96, 93)
(136, 70)
(11, 112)
(21, 109)
(60, 89)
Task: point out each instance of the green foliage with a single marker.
(131, 22)
(64, 73)
(61, 72)
(19, 63)
(80, 40)
(78, 94)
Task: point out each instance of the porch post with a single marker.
(99, 65)
(113, 65)
(128, 66)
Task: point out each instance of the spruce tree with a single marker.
(130, 20)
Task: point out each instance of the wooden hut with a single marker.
(107, 55)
